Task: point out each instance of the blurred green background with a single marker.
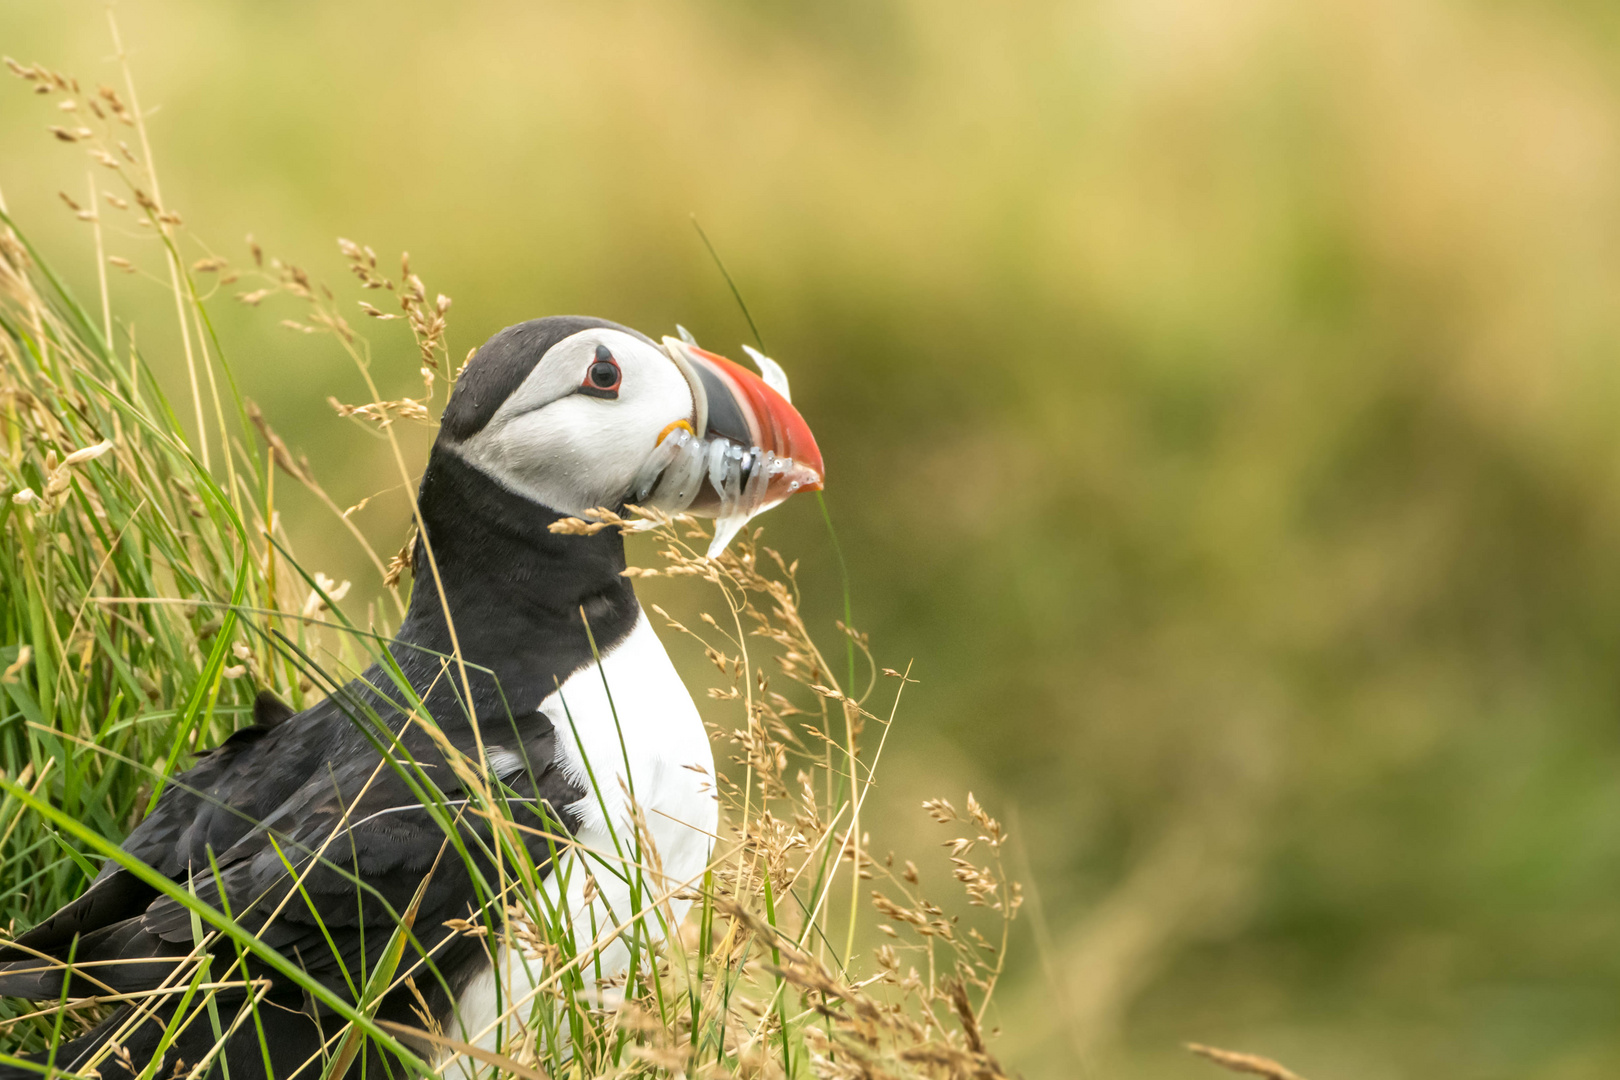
(1219, 401)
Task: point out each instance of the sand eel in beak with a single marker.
(745, 450)
(552, 418)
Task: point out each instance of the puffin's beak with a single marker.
(736, 404)
(739, 405)
(747, 448)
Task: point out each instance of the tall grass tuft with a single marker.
(148, 592)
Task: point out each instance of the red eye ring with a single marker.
(603, 377)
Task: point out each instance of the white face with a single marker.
(568, 443)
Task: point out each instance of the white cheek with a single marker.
(574, 454)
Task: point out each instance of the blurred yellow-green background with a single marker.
(1221, 402)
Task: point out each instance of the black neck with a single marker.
(515, 591)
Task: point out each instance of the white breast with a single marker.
(626, 725)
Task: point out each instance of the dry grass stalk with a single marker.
(1253, 1064)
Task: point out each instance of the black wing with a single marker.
(339, 797)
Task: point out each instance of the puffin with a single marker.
(525, 663)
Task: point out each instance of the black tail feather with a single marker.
(291, 1048)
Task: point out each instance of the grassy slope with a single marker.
(145, 602)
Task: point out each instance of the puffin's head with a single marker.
(576, 413)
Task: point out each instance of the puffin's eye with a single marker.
(602, 377)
